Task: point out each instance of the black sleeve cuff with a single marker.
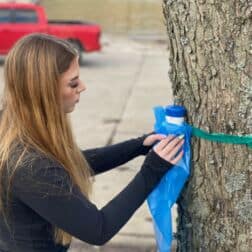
(153, 169)
(144, 150)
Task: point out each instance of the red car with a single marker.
(19, 19)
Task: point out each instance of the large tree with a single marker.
(210, 44)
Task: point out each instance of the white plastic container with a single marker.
(175, 114)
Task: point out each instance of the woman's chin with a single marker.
(70, 109)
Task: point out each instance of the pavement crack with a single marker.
(129, 94)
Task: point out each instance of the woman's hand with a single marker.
(170, 149)
(161, 159)
(152, 139)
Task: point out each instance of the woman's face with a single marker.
(71, 86)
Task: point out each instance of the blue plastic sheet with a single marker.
(163, 197)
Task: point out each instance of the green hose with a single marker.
(223, 138)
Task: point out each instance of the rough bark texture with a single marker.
(210, 44)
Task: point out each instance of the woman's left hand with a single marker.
(150, 140)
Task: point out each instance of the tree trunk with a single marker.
(210, 44)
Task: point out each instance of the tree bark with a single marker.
(210, 44)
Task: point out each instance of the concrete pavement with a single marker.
(124, 82)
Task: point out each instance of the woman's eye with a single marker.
(74, 85)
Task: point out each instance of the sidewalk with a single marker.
(124, 83)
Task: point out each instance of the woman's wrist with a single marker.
(144, 149)
(153, 169)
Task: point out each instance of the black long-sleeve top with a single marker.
(43, 197)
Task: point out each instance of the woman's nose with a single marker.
(82, 87)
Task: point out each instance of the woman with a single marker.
(45, 180)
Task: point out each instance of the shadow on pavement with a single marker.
(78, 246)
(1, 61)
(111, 248)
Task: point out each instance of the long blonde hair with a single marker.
(32, 110)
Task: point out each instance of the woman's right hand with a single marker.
(170, 149)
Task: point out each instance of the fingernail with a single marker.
(181, 136)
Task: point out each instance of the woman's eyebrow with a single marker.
(75, 78)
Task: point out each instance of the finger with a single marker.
(157, 137)
(171, 145)
(153, 139)
(173, 152)
(177, 158)
(159, 147)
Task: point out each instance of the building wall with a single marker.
(122, 16)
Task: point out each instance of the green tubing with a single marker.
(223, 138)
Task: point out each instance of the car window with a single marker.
(5, 15)
(25, 16)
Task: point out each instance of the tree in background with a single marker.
(210, 44)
